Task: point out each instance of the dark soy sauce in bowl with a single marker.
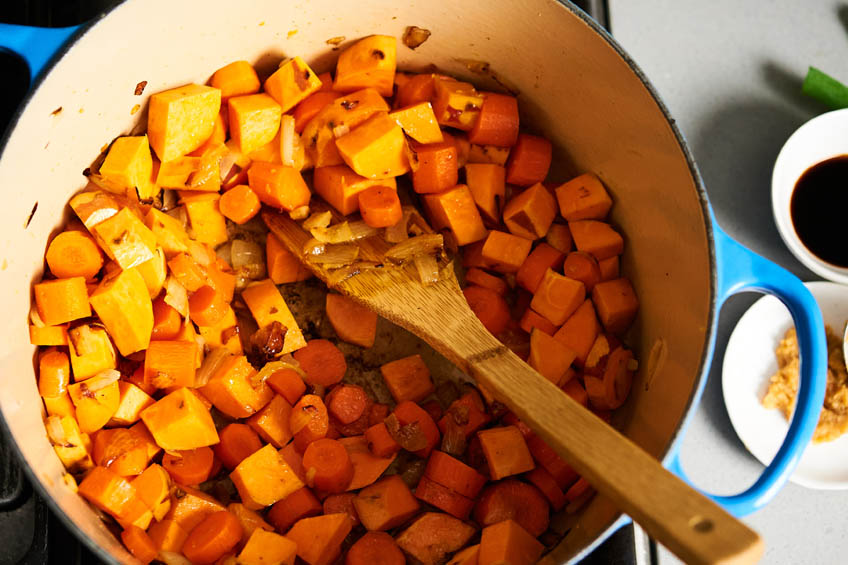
(819, 210)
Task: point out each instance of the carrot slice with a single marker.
(529, 160)
(139, 544)
(237, 442)
(74, 254)
(309, 421)
(190, 467)
(489, 307)
(443, 498)
(287, 383)
(328, 465)
(454, 474)
(497, 123)
(582, 267)
(348, 403)
(353, 322)
(380, 441)
(239, 204)
(545, 482)
(54, 373)
(373, 548)
(322, 362)
(302, 503)
(217, 534)
(513, 500)
(380, 206)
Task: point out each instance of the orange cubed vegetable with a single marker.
(533, 269)
(180, 421)
(529, 160)
(125, 239)
(121, 451)
(207, 306)
(250, 520)
(94, 206)
(352, 322)
(548, 356)
(408, 379)
(132, 402)
(616, 303)
(61, 300)
(212, 538)
(380, 441)
(504, 252)
(231, 390)
(71, 448)
(61, 405)
(582, 267)
(123, 304)
(268, 548)
(300, 504)
(154, 272)
(254, 120)
(95, 403)
(48, 335)
(288, 383)
(263, 478)
(408, 413)
(417, 88)
(531, 213)
(419, 122)
(283, 266)
(175, 174)
(319, 538)
(128, 168)
(278, 186)
(74, 253)
(91, 351)
(170, 363)
(467, 556)
(433, 536)
(507, 543)
(167, 535)
(579, 331)
(559, 237)
(380, 206)
(309, 107)
(267, 305)
(557, 297)
(506, 451)
(386, 504)
(455, 209)
(488, 154)
(208, 225)
(487, 185)
(239, 204)
(168, 232)
(181, 119)
(376, 148)
(456, 104)
(223, 333)
(498, 121)
(154, 488)
(368, 63)
(454, 474)
(108, 491)
(609, 268)
(236, 79)
(443, 498)
(54, 372)
(583, 198)
(597, 238)
(437, 166)
(272, 422)
(340, 186)
(237, 442)
(367, 467)
(139, 544)
(190, 506)
(291, 83)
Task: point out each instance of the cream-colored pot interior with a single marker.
(575, 88)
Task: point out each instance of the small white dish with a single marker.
(820, 139)
(749, 361)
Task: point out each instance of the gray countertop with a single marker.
(730, 72)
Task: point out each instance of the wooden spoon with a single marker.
(695, 528)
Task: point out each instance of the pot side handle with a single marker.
(37, 46)
(740, 269)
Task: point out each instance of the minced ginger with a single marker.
(783, 385)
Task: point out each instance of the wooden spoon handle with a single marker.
(693, 527)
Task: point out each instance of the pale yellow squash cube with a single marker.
(215, 335)
(180, 421)
(154, 272)
(264, 477)
(369, 63)
(267, 548)
(91, 351)
(376, 148)
(174, 174)
(125, 239)
(132, 401)
(128, 167)
(181, 119)
(154, 489)
(169, 232)
(291, 83)
(272, 422)
(254, 120)
(94, 407)
(419, 123)
(208, 224)
(123, 304)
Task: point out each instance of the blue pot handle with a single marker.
(740, 269)
(35, 45)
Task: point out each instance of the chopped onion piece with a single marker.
(632, 365)
(338, 255)
(169, 199)
(223, 253)
(287, 135)
(428, 268)
(35, 318)
(344, 273)
(270, 368)
(102, 379)
(299, 213)
(244, 253)
(176, 296)
(424, 244)
(340, 130)
(343, 232)
(398, 232)
(179, 213)
(211, 363)
(317, 220)
(171, 558)
(199, 253)
(55, 430)
(314, 247)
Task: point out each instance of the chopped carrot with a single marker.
(340, 186)
(482, 278)
(454, 474)
(190, 467)
(575, 390)
(139, 544)
(611, 390)
(455, 209)
(534, 267)
(237, 442)
(48, 335)
(62, 300)
(559, 237)
(408, 378)
(579, 331)
(287, 383)
(380, 206)
(497, 123)
(616, 304)
(550, 461)
(378, 413)
(121, 451)
(273, 422)
(207, 306)
(167, 535)
(302, 503)
(486, 182)
(507, 542)
(380, 441)
(166, 320)
(319, 539)
(353, 322)
(74, 254)
(583, 198)
(597, 238)
(437, 168)
(506, 451)
(443, 498)
(433, 536)
(513, 500)
(54, 373)
(217, 534)
(367, 467)
(386, 504)
(545, 482)
(582, 267)
(309, 107)
(529, 160)
(170, 363)
(187, 271)
(250, 520)
(419, 88)
(375, 548)
(348, 403)
(309, 421)
(557, 297)
(328, 465)
(239, 204)
(609, 268)
(530, 213)
(467, 412)
(283, 265)
(550, 357)
(504, 252)
(322, 362)
(530, 320)
(489, 307)
(342, 503)
(278, 186)
(107, 491)
(577, 489)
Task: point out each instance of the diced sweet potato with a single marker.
(504, 252)
(181, 119)
(506, 452)
(616, 303)
(208, 224)
(125, 239)
(291, 83)
(264, 477)
(597, 238)
(180, 421)
(128, 167)
(264, 548)
(254, 120)
(455, 209)
(419, 122)
(376, 148)
(548, 356)
(583, 198)
(456, 104)
(61, 300)
(433, 536)
(278, 186)
(408, 379)
(190, 506)
(385, 504)
(267, 306)
(272, 422)
(94, 407)
(91, 351)
(236, 79)
(486, 181)
(319, 539)
(232, 391)
(170, 363)
(132, 401)
(368, 63)
(530, 213)
(340, 186)
(123, 304)
(579, 331)
(557, 297)
(508, 543)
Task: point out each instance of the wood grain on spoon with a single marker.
(695, 528)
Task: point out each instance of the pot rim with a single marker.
(709, 335)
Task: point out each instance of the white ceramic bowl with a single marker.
(819, 139)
